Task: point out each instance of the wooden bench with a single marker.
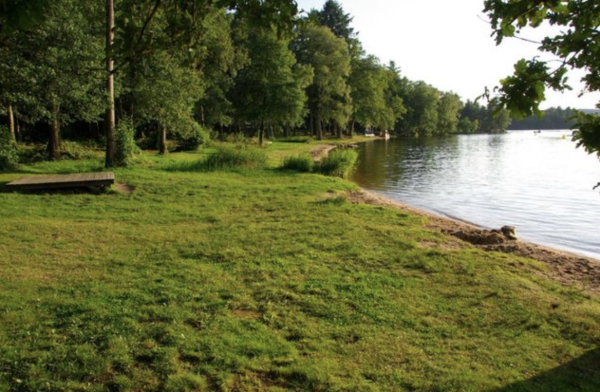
(94, 181)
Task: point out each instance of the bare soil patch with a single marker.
(321, 152)
(124, 188)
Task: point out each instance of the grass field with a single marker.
(265, 280)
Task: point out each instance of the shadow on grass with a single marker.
(581, 374)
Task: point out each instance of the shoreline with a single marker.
(567, 268)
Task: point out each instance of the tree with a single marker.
(422, 114)
(333, 16)
(576, 44)
(270, 91)
(181, 23)
(375, 104)
(449, 113)
(329, 94)
(166, 93)
(59, 83)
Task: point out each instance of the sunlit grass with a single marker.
(264, 280)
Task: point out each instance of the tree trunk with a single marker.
(110, 85)
(54, 142)
(11, 123)
(202, 115)
(351, 129)
(339, 131)
(162, 141)
(271, 132)
(18, 128)
(319, 127)
(286, 131)
(261, 133)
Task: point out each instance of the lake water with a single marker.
(542, 184)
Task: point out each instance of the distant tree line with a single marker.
(553, 118)
(181, 70)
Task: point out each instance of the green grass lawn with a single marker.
(265, 281)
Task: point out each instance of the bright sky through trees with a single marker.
(447, 44)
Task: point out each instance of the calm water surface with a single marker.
(541, 183)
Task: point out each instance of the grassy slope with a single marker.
(259, 281)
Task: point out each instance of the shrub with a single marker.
(9, 155)
(339, 163)
(302, 163)
(198, 136)
(76, 151)
(228, 159)
(295, 139)
(125, 143)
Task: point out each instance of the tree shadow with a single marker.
(581, 374)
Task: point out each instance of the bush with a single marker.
(302, 163)
(228, 159)
(295, 139)
(76, 151)
(9, 155)
(339, 163)
(198, 136)
(125, 143)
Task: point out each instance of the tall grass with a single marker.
(302, 163)
(339, 163)
(227, 159)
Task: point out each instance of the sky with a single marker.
(448, 44)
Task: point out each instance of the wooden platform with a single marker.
(95, 181)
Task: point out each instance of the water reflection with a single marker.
(540, 183)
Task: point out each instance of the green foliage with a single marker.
(339, 22)
(422, 115)
(125, 141)
(197, 136)
(475, 118)
(589, 132)
(467, 126)
(302, 163)
(270, 90)
(573, 40)
(227, 159)
(338, 163)
(329, 93)
(9, 155)
(375, 103)
(77, 151)
(552, 118)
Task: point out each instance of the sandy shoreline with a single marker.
(567, 268)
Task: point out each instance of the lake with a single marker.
(542, 184)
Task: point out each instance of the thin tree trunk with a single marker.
(18, 128)
(271, 132)
(261, 132)
(339, 131)
(54, 142)
(312, 125)
(162, 141)
(319, 127)
(202, 115)
(11, 123)
(110, 85)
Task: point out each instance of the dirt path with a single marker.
(567, 268)
(321, 152)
